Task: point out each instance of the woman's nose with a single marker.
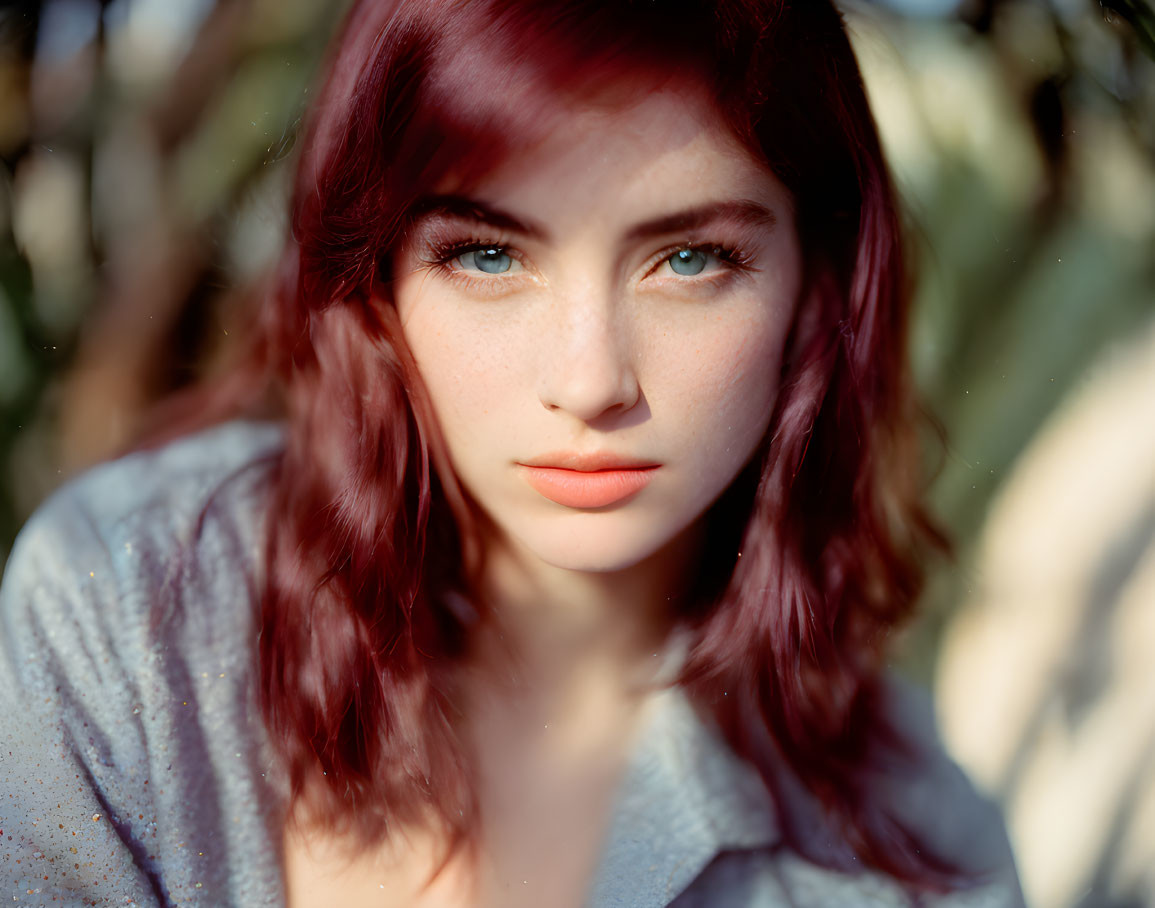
(588, 366)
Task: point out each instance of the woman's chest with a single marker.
(539, 844)
(545, 807)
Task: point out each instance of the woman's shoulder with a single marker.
(132, 759)
(932, 796)
(696, 823)
(132, 526)
(165, 485)
(699, 818)
(148, 560)
(924, 793)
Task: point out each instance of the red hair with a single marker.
(813, 559)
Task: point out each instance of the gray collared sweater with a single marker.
(135, 769)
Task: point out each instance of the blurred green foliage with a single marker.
(143, 151)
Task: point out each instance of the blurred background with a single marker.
(145, 152)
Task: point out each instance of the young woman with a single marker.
(566, 574)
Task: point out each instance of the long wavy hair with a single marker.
(813, 552)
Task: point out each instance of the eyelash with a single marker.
(443, 253)
(733, 258)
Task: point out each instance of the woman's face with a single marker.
(600, 326)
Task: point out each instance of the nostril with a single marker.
(589, 392)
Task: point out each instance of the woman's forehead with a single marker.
(481, 92)
(667, 142)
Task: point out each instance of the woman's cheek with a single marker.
(736, 377)
(465, 366)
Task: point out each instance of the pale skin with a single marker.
(550, 318)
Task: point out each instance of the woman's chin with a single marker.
(598, 543)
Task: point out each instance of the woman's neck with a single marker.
(552, 629)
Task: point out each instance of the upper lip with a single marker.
(590, 462)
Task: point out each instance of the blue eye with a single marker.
(490, 260)
(688, 261)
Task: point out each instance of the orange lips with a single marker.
(588, 488)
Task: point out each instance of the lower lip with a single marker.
(578, 489)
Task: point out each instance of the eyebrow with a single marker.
(742, 211)
(467, 209)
